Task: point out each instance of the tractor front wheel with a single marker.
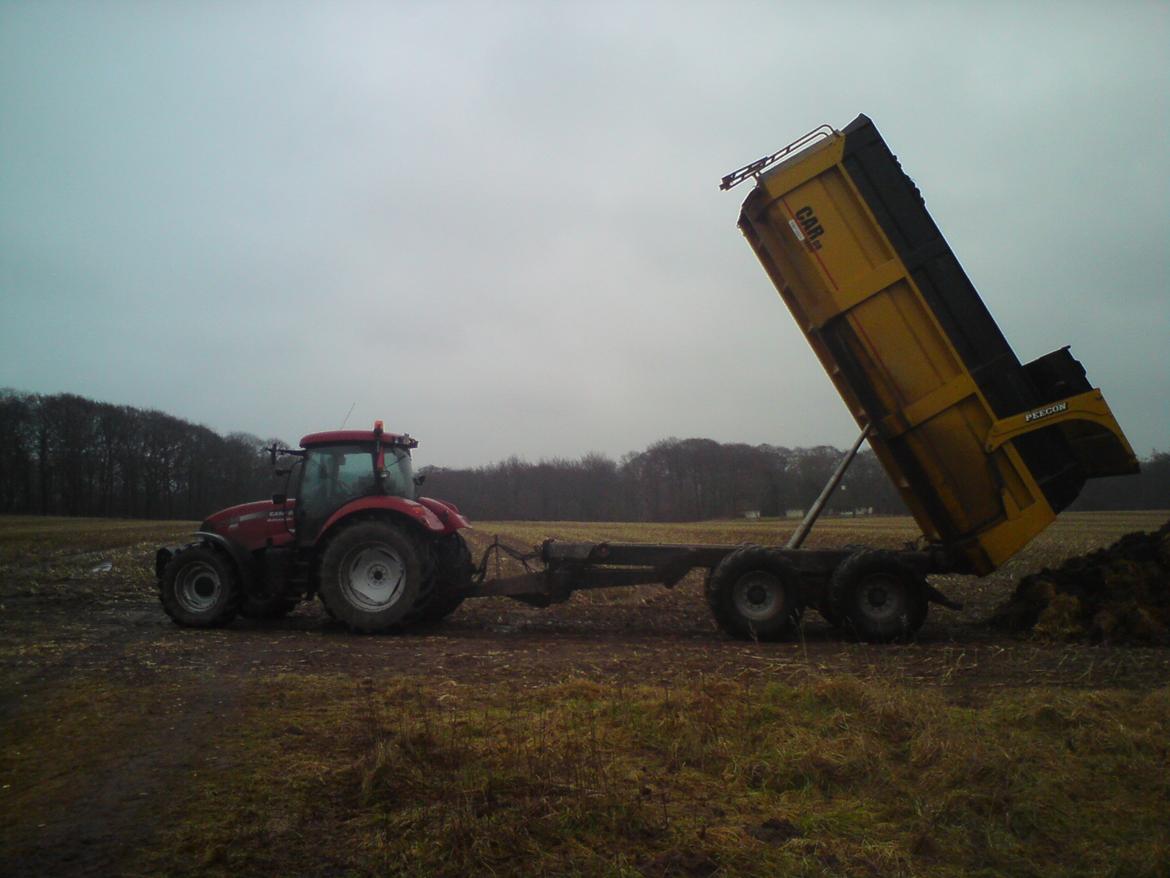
(199, 588)
(370, 576)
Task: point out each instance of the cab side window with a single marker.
(334, 475)
(355, 474)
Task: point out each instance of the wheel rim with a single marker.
(758, 596)
(373, 577)
(882, 599)
(199, 587)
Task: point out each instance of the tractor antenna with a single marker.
(347, 414)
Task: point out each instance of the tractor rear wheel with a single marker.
(370, 576)
(426, 581)
(878, 597)
(450, 580)
(199, 588)
(754, 594)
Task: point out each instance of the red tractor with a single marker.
(356, 535)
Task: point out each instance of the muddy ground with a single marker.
(73, 632)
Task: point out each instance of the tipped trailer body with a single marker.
(984, 450)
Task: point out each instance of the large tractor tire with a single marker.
(370, 576)
(754, 594)
(878, 597)
(450, 580)
(266, 608)
(199, 588)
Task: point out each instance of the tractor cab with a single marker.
(344, 465)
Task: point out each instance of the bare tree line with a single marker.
(697, 479)
(67, 455)
(1150, 489)
(672, 480)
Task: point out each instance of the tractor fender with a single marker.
(163, 557)
(415, 513)
(448, 513)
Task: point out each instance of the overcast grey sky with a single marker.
(497, 225)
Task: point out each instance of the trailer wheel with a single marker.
(754, 594)
(878, 597)
(370, 576)
(451, 578)
(266, 608)
(199, 588)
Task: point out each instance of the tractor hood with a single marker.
(252, 524)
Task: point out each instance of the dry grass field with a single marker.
(617, 734)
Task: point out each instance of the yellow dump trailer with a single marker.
(985, 450)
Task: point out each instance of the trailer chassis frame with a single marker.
(567, 567)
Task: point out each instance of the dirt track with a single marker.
(70, 635)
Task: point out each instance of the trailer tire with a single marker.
(878, 598)
(754, 594)
(199, 588)
(451, 578)
(266, 608)
(370, 576)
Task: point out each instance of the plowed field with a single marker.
(618, 733)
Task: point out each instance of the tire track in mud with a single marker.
(116, 804)
(119, 631)
(108, 807)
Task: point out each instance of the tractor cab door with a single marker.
(331, 476)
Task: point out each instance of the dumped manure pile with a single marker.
(1118, 595)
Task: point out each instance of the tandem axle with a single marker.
(754, 591)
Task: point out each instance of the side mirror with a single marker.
(279, 499)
